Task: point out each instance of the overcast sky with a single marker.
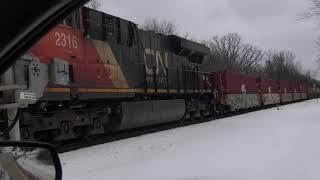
(269, 24)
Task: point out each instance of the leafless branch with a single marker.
(229, 52)
(94, 4)
(163, 27)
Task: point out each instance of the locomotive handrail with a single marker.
(13, 123)
(12, 87)
(11, 105)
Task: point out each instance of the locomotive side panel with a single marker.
(146, 61)
(114, 59)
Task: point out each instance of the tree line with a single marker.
(231, 52)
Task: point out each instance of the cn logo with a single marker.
(160, 62)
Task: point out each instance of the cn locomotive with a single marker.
(95, 73)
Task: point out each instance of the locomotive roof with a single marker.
(178, 42)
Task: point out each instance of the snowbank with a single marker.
(269, 144)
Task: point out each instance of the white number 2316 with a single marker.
(66, 40)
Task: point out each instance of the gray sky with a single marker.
(269, 24)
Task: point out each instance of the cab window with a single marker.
(73, 20)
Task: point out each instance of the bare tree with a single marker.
(250, 58)
(224, 52)
(314, 10)
(281, 65)
(94, 4)
(163, 27)
(229, 52)
(314, 13)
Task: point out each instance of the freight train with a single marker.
(95, 73)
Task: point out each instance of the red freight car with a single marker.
(296, 90)
(236, 91)
(285, 91)
(304, 91)
(312, 89)
(269, 91)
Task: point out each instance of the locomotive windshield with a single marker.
(72, 20)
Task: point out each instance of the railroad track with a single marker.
(72, 145)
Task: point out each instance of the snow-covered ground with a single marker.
(270, 144)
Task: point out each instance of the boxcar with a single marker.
(236, 91)
(269, 91)
(312, 91)
(296, 91)
(285, 91)
(304, 91)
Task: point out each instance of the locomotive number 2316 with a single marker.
(66, 40)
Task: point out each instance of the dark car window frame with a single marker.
(25, 22)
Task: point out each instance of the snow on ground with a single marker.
(270, 144)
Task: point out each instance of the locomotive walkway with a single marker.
(268, 144)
